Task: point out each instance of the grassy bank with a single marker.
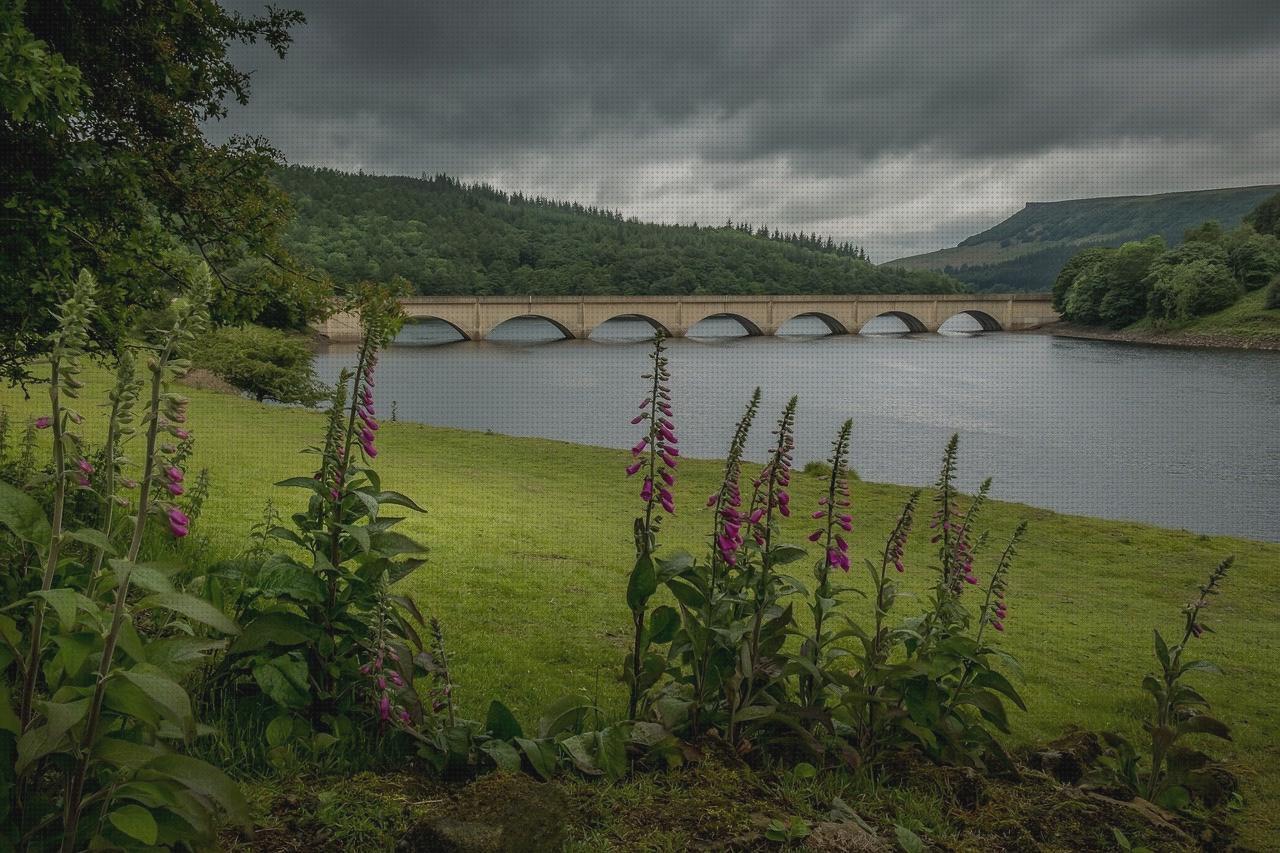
(1246, 325)
(531, 544)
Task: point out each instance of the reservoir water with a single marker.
(1178, 438)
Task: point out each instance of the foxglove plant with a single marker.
(1179, 709)
(707, 592)
(656, 457)
(758, 665)
(67, 346)
(835, 519)
(321, 621)
(93, 750)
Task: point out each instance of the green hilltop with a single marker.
(451, 238)
(1027, 250)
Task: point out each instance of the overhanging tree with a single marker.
(105, 166)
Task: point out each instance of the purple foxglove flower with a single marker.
(841, 544)
(817, 513)
(404, 717)
(815, 536)
(370, 450)
(897, 564)
(44, 422)
(999, 626)
(668, 478)
(646, 490)
(178, 517)
(384, 707)
(175, 489)
(396, 679)
(84, 465)
(667, 454)
(634, 467)
(673, 452)
(757, 515)
(82, 480)
(640, 446)
(174, 474)
(637, 419)
(668, 505)
(711, 501)
(366, 435)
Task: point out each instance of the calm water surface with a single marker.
(1178, 438)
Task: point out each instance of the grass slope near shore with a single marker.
(1248, 324)
(530, 549)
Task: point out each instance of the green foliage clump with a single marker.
(1273, 293)
(106, 165)
(1265, 218)
(94, 720)
(1182, 292)
(447, 237)
(1208, 272)
(267, 364)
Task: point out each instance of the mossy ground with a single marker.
(531, 546)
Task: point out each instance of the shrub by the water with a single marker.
(1273, 293)
(1192, 290)
(267, 364)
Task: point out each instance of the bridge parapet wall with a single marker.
(475, 317)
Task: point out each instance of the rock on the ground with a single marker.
(843, 837)
(498, 813)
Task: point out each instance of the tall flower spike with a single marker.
(656, 453)
(727, 529)
(770, 494)
(831, 507)
(994, 610)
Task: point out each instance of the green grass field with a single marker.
(530, 549)
(1248, 322)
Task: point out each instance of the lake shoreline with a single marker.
(1174, 339)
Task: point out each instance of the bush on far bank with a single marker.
(267, 364)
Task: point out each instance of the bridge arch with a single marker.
(984, 320)
(750, 327)
(653, 324)
(560, 327)
(913, 323)
(425, 319)
(833, 325)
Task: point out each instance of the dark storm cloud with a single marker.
(796, 113)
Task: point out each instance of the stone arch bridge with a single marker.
(474, 317)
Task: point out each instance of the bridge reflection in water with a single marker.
(475, 317)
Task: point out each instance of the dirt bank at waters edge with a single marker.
(1173, 338)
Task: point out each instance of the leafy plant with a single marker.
(1175, 771)
(324, 633)
(94, 741)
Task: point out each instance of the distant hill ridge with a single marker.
(1027, 250)
(451, 238)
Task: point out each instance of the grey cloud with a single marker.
(788, 112)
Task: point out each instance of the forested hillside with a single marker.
(446, 237)
(1029, 249)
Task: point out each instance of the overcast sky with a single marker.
(904, 126)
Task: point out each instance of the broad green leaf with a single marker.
(541, 754)
(501, 723)
(1162, 651)
(9, 721)
(1174, 798)
(125, 753)
(191, 607)
(783, 554)
(908, 840)
(167, 694)
(65, 602)
(504, 755)
(579, 749)
(23, 515)
(284, 679)
(145, 576)
(205, 779)
(40, 741)
(93, 538)
(74, 650)
(302, 483)
(994, 680)
(287, 578)
(611, 756)
(274, 629)
(280, 730)
(565, 714)
(663, 624)
(390, 543)
(397, 499)
(1205, 725)
(135, 822)
(642, 583)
